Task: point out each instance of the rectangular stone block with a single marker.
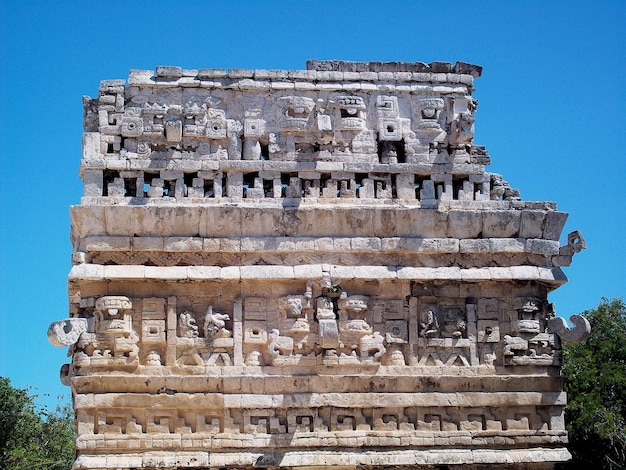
(424, 223)
(258, 243)
(166, 272)
(108, 243)
(87, 220)
(221, 221)
(124, 272)
(542, 247)
(507, 245)
(148, 243)
(501, 224)
(554, 223)
(308, 271)
(267, 272)
(465, 224)
(365, 244)
(475, 246)
(88, 272)
(93, 183)
(182, 244)
(531, 224)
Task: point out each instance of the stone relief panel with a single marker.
(528, 342)
(446, 332)
(112, 339)
(191, 126)
(319, 327)
(209, 344)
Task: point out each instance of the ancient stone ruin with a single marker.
(309, 269)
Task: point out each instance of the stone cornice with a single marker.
(94, 272)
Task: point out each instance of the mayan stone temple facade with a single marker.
(309, 269)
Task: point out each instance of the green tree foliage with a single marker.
(595, 373)
(32, 438)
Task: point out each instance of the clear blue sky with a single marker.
(552, 115)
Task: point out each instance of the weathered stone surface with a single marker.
(309, 269)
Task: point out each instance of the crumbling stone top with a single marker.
(316, 70)
(338, 131)
(375, 138)
(421, 67)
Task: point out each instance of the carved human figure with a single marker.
(215, 324)
(389, 153)
(489, 358)
(328, 330)
(187, 327)
(454, 324)
(279, 345)
(428, 323)
(291, 306)
(254, 358)
(462, 130)
(153, 359)
(397, 358)
(497, 187)
(296, 307)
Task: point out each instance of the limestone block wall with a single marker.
(309, 269)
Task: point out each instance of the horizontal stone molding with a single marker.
(245, 379)
(137, 163)
(94, 272)
(183, 224)
(345, 399)
(324, 244)
(253, 78)
(345, 458)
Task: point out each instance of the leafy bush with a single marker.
(595, 373)
(32, 438)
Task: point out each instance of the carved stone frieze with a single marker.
(309, 269)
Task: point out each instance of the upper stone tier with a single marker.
(336, 132)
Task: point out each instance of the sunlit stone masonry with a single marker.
(309, 269)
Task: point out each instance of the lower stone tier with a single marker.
(316, 430)
(311, 441)
(339, 459)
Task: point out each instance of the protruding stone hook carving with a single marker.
(579, 333)
(66, 332)
(575, 244)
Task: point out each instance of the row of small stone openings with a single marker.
(289, 185)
